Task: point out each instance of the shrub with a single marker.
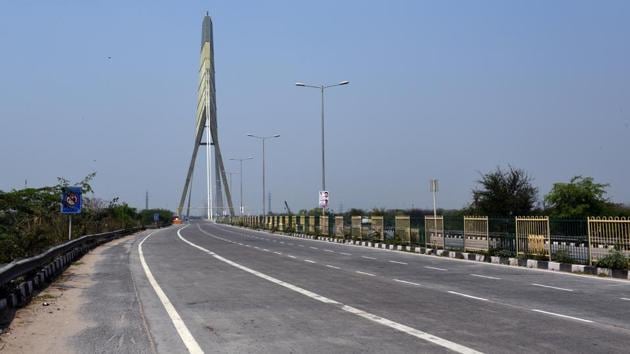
(562, 256)
(503, 253)
(615, 260)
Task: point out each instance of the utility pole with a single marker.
(269, 205)
(146, 201)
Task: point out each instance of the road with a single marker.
(215, 288)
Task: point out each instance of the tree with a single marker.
(579, 198)
(505, 193)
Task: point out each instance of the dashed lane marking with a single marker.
(345, 254)
(366, 315)
(406, 282)
(436, 268)
(484, 276)
(366, 257)
(468, 296)
(364, 273)
(332, 266)
(563, 316)
(309, 261)
(552, 287)
(397, 262)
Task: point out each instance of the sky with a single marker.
(438, 89)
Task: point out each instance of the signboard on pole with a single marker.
(156, 217)
(323, 199)
(71, 200)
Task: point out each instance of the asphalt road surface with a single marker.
(210, 288)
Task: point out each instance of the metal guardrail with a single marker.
(26, 266)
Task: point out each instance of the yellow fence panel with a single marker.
(378, 228)
(356, 227)
(434, 231)
(323, 224)
(339, 231)
(607, 233)
(402, 229)
(532, 235)
(476, 233)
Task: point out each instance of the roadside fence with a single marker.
(580, 241)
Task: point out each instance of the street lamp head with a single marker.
(252, 135)
(344, 82)
(276, 136)
(249, 158)
(300, 84)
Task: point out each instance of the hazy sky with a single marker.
(440, 89)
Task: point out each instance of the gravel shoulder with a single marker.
(64, 319)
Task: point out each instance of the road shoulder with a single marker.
(63, 317)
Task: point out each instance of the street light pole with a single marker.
(322, 88)
(263, 138)
(323, 144)
(241, 173)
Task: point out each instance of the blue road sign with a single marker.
(71, 200)
(156, 217)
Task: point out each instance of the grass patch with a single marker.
(42, 297)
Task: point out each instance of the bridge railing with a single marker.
(20, 278)
(581, 241)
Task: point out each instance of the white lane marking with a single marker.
(366, 257)
(240, 244)
(189, 341)
(248, 246)
(380, 320)
(563, 316)
(314, 248)
(411, 331)
(625, 299)
(551, 287)
(301, 245)
(346, 254)
(256, 247)
(484, 276)
(266, 250)
(468, 296)
(309, 261)
(332, 266)
(278, 253)
(360, 272)
(282, 242)
(406, 282)
(290, 256)
(331, 251)
(436, 268)
(397, 262)
(231, 228)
